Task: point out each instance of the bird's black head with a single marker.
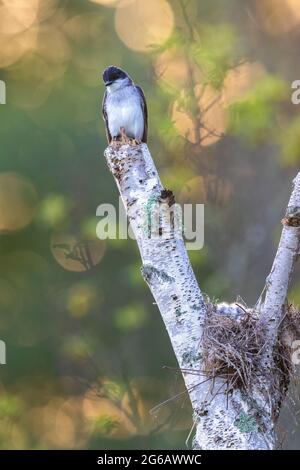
(112, 73)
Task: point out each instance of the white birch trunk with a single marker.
(276, 289)
(222, 420)
(277, 283)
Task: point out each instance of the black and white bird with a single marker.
(124, 108)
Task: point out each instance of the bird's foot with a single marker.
(124, 138)
(135, 142)
(115, 143)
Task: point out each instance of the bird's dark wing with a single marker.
(145, 113)
(104, 113)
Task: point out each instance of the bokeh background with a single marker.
(89, 364)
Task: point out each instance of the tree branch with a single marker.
(226, 415)
(277, 282)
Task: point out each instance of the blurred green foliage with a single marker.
(254, 117)
(85, 343)
(216, 52)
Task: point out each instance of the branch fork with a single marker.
(228, 412)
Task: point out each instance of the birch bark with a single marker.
(222, 420)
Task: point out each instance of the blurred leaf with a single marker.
(290, 142)
(105, 425)
(53, 210)
(76, 347)
(294, 294)
(81, 298)
(254, 117)
(113, 390)
(10, 406)
(215, 52)
(131, 317)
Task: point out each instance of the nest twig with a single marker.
(232, 347)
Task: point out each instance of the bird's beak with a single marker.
(107, 83)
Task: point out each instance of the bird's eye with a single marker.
(114, 76)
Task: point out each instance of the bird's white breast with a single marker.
(124, 110)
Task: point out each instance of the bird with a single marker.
(124, 109)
